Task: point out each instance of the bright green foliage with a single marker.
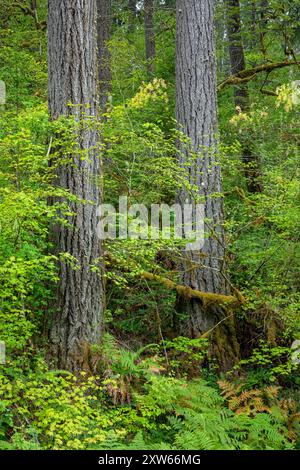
(59, 411)
(55, 410)
(151, 389)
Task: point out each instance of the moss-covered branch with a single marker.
(246, 75)
(187, 292)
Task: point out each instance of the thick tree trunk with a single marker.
(104, 71)
(241, 93)
(72, 55)
(149, 35)
(196, 113)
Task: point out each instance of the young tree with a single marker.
(72, 54)
(149, 35)
(241, 94)
(196, 114)
(103, 33)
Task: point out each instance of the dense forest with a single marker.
(149, 225)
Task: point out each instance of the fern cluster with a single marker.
(179, 415)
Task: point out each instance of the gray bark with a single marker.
(196, 114)
(104, 71)
(149, 35)
(72, 54)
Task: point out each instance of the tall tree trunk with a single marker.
(149, 35)
(104, 71)
(241, 93)
(196, 114)
(72, 55)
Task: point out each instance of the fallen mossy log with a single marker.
(189, 293)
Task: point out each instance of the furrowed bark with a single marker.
(196, 113)
(72, 54)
